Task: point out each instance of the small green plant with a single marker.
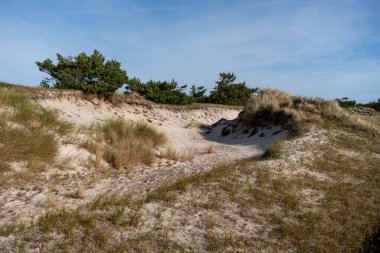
(117, 215)
(134, 216)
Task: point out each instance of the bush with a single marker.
(198, 94)
(90, 74)
(160, 92)
(373, 104)
(345, 102)
(230, 93)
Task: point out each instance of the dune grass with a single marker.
(123, 144)
(283, 212)
(325, 201)
(28, 132)
(272, 106)
(171, 153)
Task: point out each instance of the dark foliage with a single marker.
(92, 74)
(160, 91)
(230, 93)
(346, 103)
(374, 105)
(198, 94)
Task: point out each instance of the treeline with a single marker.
(92, 74)
(347, 103)
(226, 91)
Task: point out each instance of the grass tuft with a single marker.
(275, 107)
(123, 144)
(28, 132)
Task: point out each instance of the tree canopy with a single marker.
(164, 92)
(92, 74)
(230, 93)
(198, 93)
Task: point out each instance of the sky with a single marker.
(318, 48)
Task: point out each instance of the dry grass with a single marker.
(171, 153)
(28, 132)
(276, 107)
(210, 149)
(339, 217)
(326, 202)
(80, 192)
(123, 144)
(273, 151)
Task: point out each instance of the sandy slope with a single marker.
(180, 125)
(55, 186)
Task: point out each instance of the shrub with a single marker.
(230, 93)
(345, 102)
(373, 104)
(198, 94)
(90, 74)
(160, 92)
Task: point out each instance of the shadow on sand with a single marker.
(233, 132)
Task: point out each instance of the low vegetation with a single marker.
(316, 192)
(28, 132)
(347, 103)
(123, 144)
(327, 203)
(276, 107)
(172, 154)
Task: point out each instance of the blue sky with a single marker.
(325, 48)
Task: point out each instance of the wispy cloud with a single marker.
(323, 48)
